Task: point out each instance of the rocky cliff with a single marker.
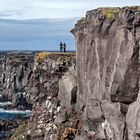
(42, 82)
(28, 78)
(108, 70)
(16, 69)
(98, 101)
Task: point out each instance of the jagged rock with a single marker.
(15, 72)
(67, 88)
(115, 120)
(133, 120)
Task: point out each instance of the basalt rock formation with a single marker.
(108, 71)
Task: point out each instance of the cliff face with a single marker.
(2, 62)
(44, 82)
(16, 69)
(108, 70)
(101, 100)
(46, 75)
(26, 79)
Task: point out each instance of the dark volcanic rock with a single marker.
(16, 69)
(31, 81)
(46, 89)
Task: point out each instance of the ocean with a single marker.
(8, 116)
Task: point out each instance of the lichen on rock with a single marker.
(109, 13)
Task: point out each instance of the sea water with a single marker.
(9, 115)
(14, 114)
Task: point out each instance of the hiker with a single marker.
(64, 47)
(61, 46)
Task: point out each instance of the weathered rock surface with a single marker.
(108, 70)
(48, 78)
(68, 88)
(16, 69)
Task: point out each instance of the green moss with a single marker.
(109, 13)
(133, 7)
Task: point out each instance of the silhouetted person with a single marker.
(61, 46)
(65, 47)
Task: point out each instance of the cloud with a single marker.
(24, 24)
(10, 13)
(36, 34)
(35, 28)
(29, 9)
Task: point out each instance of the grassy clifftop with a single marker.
(109, 13)
(43, 55)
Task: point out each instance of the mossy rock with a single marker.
(84, 21)
(137, 8)
(109, 13)
(21, 133)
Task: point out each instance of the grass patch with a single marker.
(109, 13)
(43, 55)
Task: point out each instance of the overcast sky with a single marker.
(28, 9)
(39, 34)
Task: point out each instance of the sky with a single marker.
(42, 24)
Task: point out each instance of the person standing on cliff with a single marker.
(64, 47)
(61, 46)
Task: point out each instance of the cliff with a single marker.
(108, 70)
(41, 82)
(16, 69)
(27, 78)
(96, 99)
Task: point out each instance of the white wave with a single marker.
(5, 103)
(15, 111)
